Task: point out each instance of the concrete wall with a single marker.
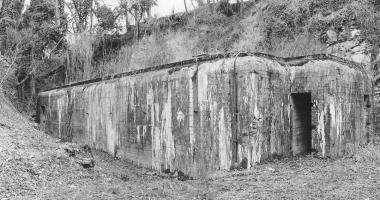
(377, 108)
(341, 114)
(205, 117)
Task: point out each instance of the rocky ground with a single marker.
(35, 166)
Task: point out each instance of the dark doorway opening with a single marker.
(367, 120)
(301, 123)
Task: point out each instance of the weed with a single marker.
(282, 28)
(369, 153)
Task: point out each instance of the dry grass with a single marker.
(54, 174)
(81, 53)
(282, 28)
(9, 97)
(182, 45)
(151, 51)
(301, 45)
(369, 153)
(120, 63)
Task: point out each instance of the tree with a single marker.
(10, 44)
(12, 8)
(59, 11)
(124, 9)
(137, 8)
(10, 16)
(40, 34)
(107, 17)
(184, 2)
(80, 11)
(200, 3)
(40, 18)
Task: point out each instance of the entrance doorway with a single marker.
(367, 120)
(301, 123)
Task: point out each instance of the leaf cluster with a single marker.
(33, 36)
(107, 17)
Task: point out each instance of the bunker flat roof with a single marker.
(290, 61)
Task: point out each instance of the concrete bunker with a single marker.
(204, 115)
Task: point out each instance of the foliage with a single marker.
(287, 20)
(216, 31)
(150, 51)
(106, 17)
(10, 19)
(200, 3)
(30, 42)
(301, 45)
(80, 10)
(11, 11)
(284, 28)
(142, 5)
(225, 8)
(137, 8)
(81, 52)
(45, 35)
(368, 14)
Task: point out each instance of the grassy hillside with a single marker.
(280, 27)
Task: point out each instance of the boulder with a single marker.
(332, 36)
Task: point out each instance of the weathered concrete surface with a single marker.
(203, 118)
(376, 108)
(342, 105)
(263, 109)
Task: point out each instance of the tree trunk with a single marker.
(149, 13)
(184, 2)
(137, 25)
(33, 92)
(192, 4)
(126, 21)
(91, 15)
(9, 9)
(58, 11)
(3, 27)
(137, 30)
(241, 6)
(200, 3)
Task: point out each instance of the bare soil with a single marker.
(34, 165)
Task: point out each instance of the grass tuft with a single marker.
(369, 153)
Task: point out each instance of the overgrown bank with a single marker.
(348, 28)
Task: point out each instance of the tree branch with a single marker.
(9, 65)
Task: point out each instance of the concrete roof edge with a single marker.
(291, 61)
